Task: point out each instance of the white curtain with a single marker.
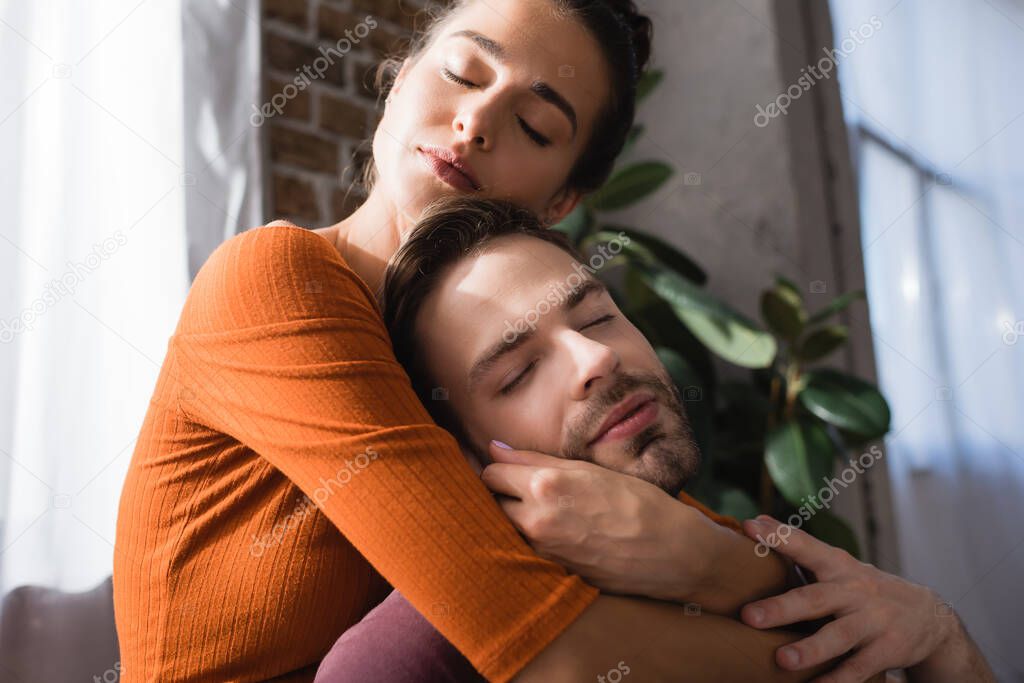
(101, 161)
(936, 109)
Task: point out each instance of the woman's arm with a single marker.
(627, 536)
(281, 348)
(395, 644)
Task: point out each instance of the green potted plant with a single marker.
(769, 444)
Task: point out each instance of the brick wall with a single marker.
(319, 59)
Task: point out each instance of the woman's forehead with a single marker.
(527, 29)
(532, 36)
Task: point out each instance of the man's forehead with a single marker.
(485, 297)
(514, 267)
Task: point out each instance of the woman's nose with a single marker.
(472, 124)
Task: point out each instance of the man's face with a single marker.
(535, 353)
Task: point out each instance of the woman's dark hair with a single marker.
(624, 35)
(451, 228)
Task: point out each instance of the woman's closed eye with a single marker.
(457, 79)
(539, 139)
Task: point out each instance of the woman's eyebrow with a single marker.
(541, 89)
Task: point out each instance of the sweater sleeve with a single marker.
(282, 347)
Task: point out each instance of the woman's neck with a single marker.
(370, 236)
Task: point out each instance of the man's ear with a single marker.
(561, 206)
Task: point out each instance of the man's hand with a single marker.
(888, 622)
(618, 532)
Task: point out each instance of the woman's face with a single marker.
(508, 87)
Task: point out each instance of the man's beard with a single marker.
(672, 456)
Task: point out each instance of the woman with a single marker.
(279, 386)
(281, 418)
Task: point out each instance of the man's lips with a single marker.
(627, 418)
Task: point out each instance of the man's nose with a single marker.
(593, 361)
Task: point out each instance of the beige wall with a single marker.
(749, 202)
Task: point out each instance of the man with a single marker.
(506, 336)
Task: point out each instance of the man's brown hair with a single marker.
(450, 229)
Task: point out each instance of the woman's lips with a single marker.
(631, 424)
(448, 173)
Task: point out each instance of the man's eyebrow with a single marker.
(501, 348)
(539, 88)
(581, 292)
(495, 352)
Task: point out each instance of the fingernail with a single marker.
(790, 656)
(756, 614)
(501, 444)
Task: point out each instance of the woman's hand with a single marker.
(618, 532)
(887, 622)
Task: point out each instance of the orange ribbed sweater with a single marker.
(280, 383)
(279, 419)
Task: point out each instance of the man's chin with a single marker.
(668, 463)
